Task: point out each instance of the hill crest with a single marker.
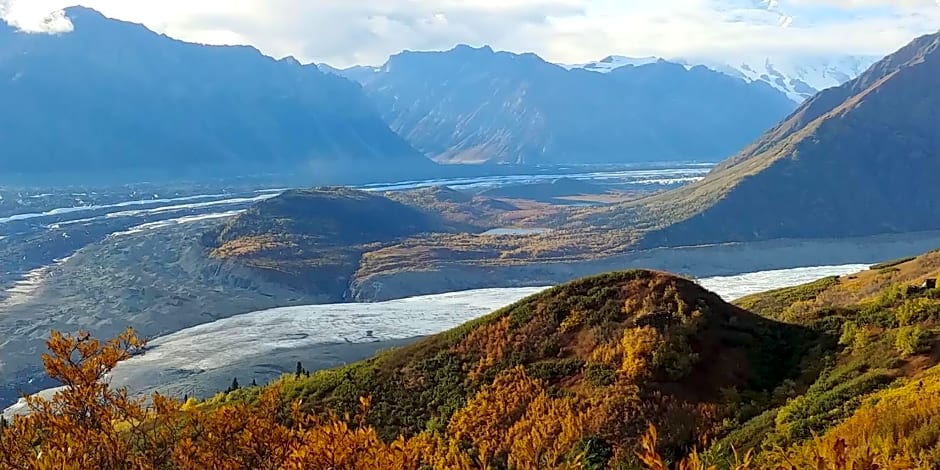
(623, 348)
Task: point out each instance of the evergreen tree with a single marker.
(253, 383)
(234, 385)
(300, 370)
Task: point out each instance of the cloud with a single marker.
(34, 17)
(344, 32)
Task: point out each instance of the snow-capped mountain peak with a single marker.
(798, 77)
(612, 62)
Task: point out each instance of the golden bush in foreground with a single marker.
(515, 420)
(89, 426)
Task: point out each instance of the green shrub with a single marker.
(863, 337)
(819, 408)
(912, 340)
(849, 330)
(916, 310)
(600, 375)
(594, 453)
(891, 295)
(553, 370)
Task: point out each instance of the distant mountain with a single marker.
(477, 105)
(357, 73)
(799, 77)
(613, 62)
(112, 97)
(859, 159)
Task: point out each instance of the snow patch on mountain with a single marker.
(798, 77)
(613, 62)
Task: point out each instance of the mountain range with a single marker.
(471, 105)
(798, 77)
(189, 109)
(854, 160)
(112, 97)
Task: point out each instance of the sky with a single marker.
(350, 32)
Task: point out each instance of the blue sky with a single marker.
(346, 32)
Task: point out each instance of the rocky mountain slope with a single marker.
(477, 105)
(854, 160)
(798, 77)
(116, 96)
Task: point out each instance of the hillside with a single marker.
(613, 351)
(568, 378)
(166, 108)
(623, 349)
(852, 161)
(313, 239)
(472, 105)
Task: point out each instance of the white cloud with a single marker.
(34, 17)
(345, 32)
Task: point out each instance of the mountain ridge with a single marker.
(782, 184)
(471, 105)
(164, 105)
(799, 78)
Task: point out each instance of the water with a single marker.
(79, 213)
(680, 174)
(734, 287)
(515, 231)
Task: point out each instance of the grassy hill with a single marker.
(632, 348)
(316, 240)
(840, 373)
(615, 352)
(312, 239)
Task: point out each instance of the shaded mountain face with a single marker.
(855, 160)
(112, 96)
(477, 105)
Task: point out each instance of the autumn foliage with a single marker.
(87, 425)
(635, 370)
